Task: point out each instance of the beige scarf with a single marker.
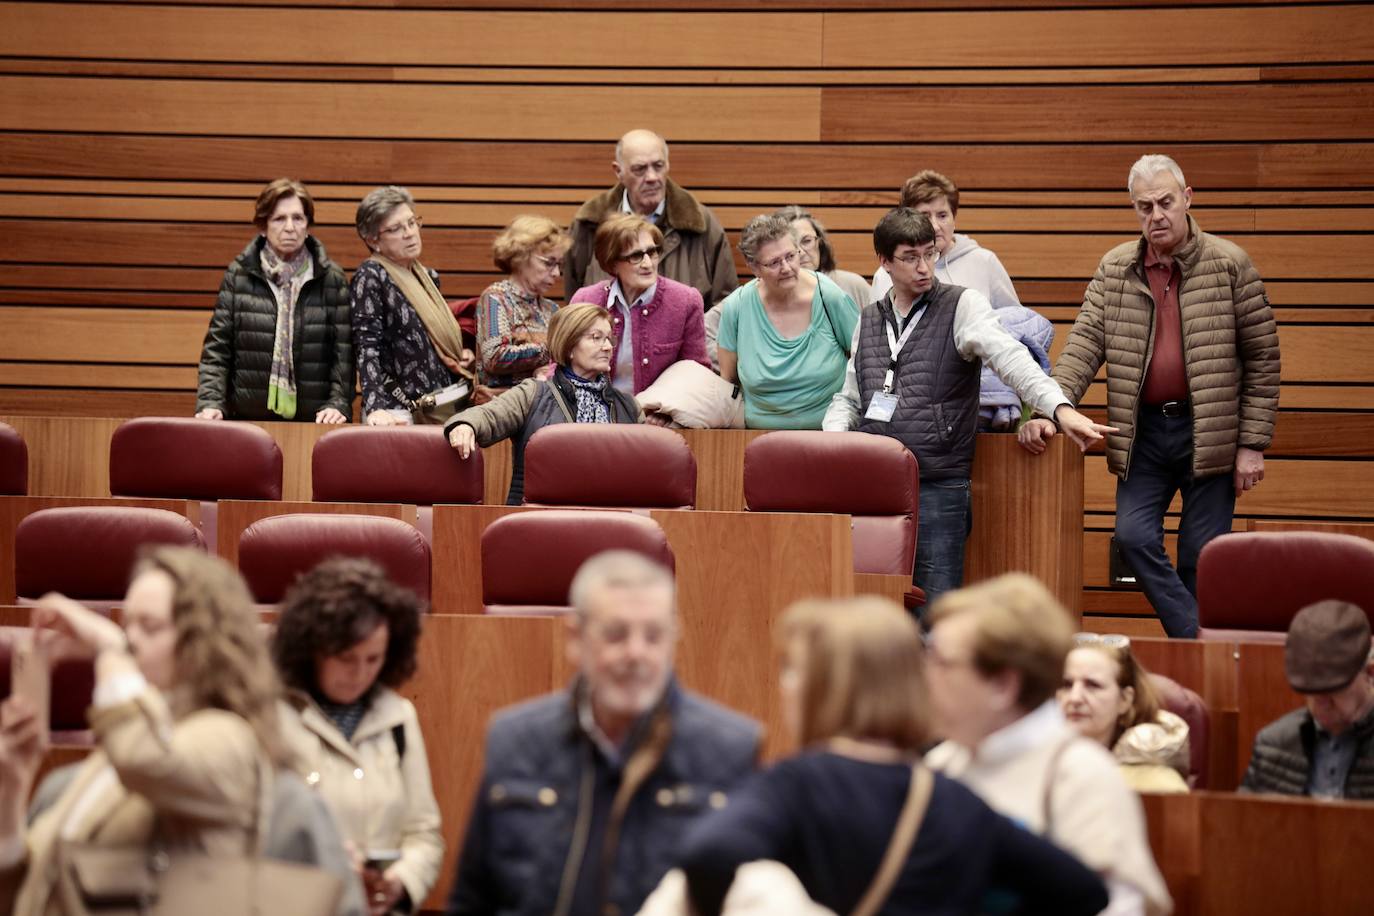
(417, 286)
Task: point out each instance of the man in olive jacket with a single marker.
(695, 249)
(1182, 322)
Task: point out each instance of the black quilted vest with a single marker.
(937, 389)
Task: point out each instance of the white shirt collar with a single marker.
(1032, 730)
(616, 295)
(652, 217)
(587, 719)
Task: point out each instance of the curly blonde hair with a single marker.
(221, 655)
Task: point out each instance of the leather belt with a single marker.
(1171, 409)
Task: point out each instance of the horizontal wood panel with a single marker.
(1291, 487)
(647, 38)
(101, 335)
(880, 168)
(1296, 111)
(1096, 37)
(1305, 352)
(497, 213)
(415, 111)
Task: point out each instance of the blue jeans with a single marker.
(1161, 465)
(943, 525)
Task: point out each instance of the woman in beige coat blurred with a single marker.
(345, 639)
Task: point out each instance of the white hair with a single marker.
(1150, 165)
(616, 569)
(620, 146)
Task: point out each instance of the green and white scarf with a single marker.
(286, 278)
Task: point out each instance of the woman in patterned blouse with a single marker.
(513, 314)
(406, 340)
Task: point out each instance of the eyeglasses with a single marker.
(777, 264)
(806, 241)
(912, 257)
(597, 337)
(548, 262)
(639, 254)
(1110, 640)
(415, 222)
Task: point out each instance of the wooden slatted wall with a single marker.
(134, 137)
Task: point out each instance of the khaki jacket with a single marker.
(193, 777)
(695, 249)
(1230, 348)
(380, 799)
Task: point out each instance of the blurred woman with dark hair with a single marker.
(345, 640)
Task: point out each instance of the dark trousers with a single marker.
(1162, 465)
(942, 526)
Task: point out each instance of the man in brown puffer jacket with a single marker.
(1182, 322)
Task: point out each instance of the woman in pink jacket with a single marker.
(655, 321)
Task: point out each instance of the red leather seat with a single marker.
(395, 464)
(610, 465)
(186, 458)
(873, 479)
(73, 681)
(1188, 706)
(14, 462)
(1251, 584)
(274, 551)
(86, 552)
(529, 558)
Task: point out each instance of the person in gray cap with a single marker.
(1325, 749)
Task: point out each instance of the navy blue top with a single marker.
(829, 819)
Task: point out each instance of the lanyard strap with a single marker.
(895, 343)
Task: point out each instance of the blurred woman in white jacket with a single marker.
(346, 638)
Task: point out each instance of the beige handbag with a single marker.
(694, 397)
(149, 881)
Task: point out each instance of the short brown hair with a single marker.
(618, 231)
(860, 664)
(524, 236)
(1018, 626)
(569, 325)
(275, 193)
(923, 187)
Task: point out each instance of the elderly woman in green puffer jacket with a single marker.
(279, 343)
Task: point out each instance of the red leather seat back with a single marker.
(529, 558)
(14, 462)
(274, 551)
(393, 464)
(874, 479)
(613, 465)
(186, 458)
(1251, 584)
(1188, 706)
(86, 552)
(73, 681)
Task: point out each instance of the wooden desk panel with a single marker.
(720, 466)
(1028, 515)
(1263, 684)
(1171, 821)
(297, 442)
(471, 666)
(68, 456)
(14, 509)
(237, 514)
(1208, 669)
(736, 572)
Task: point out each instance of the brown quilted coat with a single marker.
(1230, 343)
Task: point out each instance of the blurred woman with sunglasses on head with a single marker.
(1107, 696)
(655, 321)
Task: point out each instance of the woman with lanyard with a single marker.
(411, 359)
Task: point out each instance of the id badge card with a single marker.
(882, 407)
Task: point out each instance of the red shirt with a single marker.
(1165, 378)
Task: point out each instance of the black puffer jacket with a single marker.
(237, 356)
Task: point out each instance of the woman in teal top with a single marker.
(784, 337)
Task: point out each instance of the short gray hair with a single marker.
(762, 229)
(376, 206)
(1150, 165)
(616, 569)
